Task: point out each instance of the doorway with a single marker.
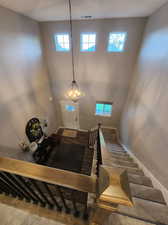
(70, 114)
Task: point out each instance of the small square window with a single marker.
(103, 109)
(88, 42)
(62, 42)
(70, 108)
(116, 42)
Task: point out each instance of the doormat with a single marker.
(70, 133)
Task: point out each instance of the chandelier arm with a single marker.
(72, 50)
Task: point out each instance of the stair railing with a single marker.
(92, 138)
(44, 186)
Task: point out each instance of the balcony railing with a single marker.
(47, 187)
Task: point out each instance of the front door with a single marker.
(70, 114)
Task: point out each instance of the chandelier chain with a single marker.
(72, 50)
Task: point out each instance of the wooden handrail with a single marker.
(113, 184)
(104, 152)
(50, 175)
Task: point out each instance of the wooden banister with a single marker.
(104, 151)
(50, 175)
(113, 184)
(110, 187)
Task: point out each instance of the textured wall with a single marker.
(24, 85)
(144, 125)
(103, 76)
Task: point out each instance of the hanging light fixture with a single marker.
(74, 93)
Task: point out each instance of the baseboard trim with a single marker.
(146, 171)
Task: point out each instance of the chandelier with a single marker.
(74, 93)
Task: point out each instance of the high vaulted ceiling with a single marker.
(51, 10)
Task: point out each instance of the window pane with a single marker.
(62, 42)
(60, 38)
(85, 46)
(99, 107)
(66, 46)
(107, 108)
(85, 38)
(103, 109)
(88, 42)
(66, 38)
(70, 108)
(92, 38)
(116, 42)
(91, 47)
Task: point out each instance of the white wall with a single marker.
(24, 84)
(103, 76)
(144, 127)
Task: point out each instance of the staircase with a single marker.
(149, 204)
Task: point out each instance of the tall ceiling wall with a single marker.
(144, 127)
(103, 76)
(24, 84)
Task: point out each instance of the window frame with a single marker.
(55, 42)
(104, 103)
(81, 42)
(125, 39)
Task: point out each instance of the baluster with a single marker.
(88, 138)
(8, 189)
(19, 186)
(29, 197)
(12, 187)
(28, 187)
(92, 139)
(41, 193)
(85, 214)
(5, 189)
(59, 208)
(67, 209)
(76, 212)
(1, 191)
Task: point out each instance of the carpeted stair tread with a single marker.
(117, 219)
(147, 210)
(128, 169)
(147, 193)
(123, 163)
(141, 180)
(123, 158)
(118, 149)
(119, 153)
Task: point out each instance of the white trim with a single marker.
(146, 171)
